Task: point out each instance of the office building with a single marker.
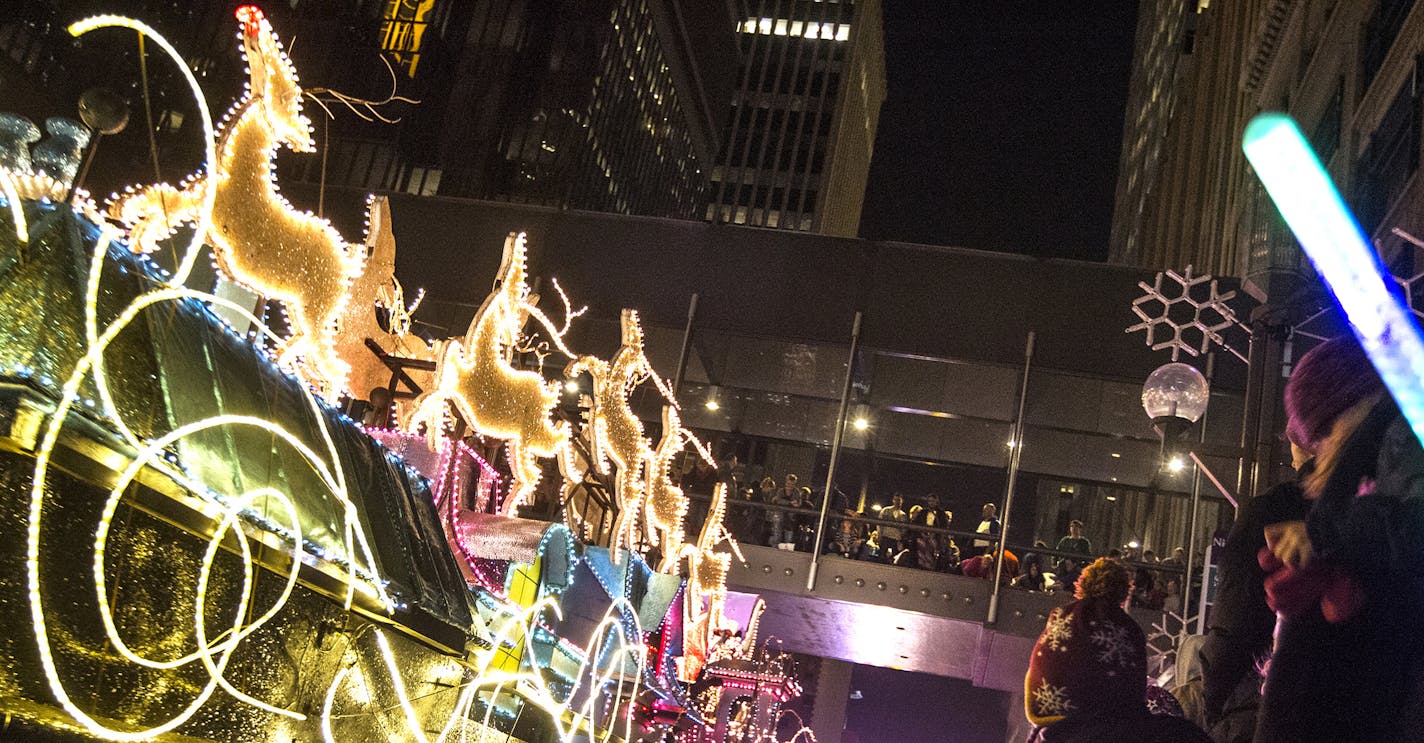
(797, 148)
(1182, 174)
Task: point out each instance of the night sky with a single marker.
(1002, 125)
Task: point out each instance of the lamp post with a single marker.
(1175, 396)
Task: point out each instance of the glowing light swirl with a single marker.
(203, 197)
(612, 643)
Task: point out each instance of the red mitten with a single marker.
(1342, 598)
(1290, 591)
(1268, 560)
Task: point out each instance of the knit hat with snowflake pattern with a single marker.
(1091, 657)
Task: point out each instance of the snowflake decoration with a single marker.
(1210, 316)
(1051, 700)
(1057, 632)
(1113, 642)
(1408, 285)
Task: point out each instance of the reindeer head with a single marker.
(273, 81)
(632, 329)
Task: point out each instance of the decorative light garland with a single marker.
(476, 376)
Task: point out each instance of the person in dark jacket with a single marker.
(1239, 635)
(1347, 583)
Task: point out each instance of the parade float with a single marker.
(204, 546)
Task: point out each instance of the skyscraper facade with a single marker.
(1182, 172)
(1351, 75)
(797, 144)
(584, 104)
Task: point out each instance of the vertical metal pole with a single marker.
(1256, 359)
(1015, 454)
(835, 453)
(1196, 495)
(686, 346)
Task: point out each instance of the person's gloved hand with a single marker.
(1290, 542)
(1291, 590)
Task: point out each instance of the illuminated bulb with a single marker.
(860, 424)
(571, 386)
(1175, 464)
(1115, 455)
(1133, 544)
(713, 405)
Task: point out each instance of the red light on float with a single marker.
(249, 16)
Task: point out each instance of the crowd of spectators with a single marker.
(920, 534)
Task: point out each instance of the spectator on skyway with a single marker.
(1069, 568)
(1032, 578)
(988, 524)
(939, 544)
(982, 566)
(775, 516)
(890, 536)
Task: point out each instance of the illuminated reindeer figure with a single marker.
(617, 432)
(706, 583)
(260, 241)
(376, 287)
(494, 398)
(665, 505)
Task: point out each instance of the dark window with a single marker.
(1392, 156)
(1380, 32)
(1326, 136)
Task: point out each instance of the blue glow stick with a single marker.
(1343, 256)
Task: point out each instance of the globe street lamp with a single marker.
(1175, 396)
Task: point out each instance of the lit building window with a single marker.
(403, 24)
(782, 27)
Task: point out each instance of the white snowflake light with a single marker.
(1210, 316)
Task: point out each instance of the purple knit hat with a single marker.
(1328, 380)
